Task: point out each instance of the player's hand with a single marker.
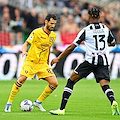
(24, 54)
(55, 60)
(113, 44)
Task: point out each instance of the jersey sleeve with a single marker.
(31, 37)
(80, 37)
(111, 38)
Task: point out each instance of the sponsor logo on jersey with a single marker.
(26, 71)
(51, 39)
(30, 37)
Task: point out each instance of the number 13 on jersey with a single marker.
(99, 38)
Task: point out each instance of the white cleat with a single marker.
(39, 105)
(57, 112)
(8, 108)
(115, 109)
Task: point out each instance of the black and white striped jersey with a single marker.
(96, 37)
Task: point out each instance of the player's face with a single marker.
(51, 24)
(90, 19)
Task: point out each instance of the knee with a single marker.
(104, 82)
(55, 84)
(22, 79)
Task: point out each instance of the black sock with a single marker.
(109, 92)
(66, 94)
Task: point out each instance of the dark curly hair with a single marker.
(94, 12)
(51, 16)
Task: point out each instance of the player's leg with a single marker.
(66, 94)
(80, 71)
(103, 77)
(68, 89)
(53, 83)
(46, 72)
(110, 94)
(15, 89)
(107, 90)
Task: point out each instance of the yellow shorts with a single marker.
(42, 70)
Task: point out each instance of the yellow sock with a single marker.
(47, 91)
(15, 89)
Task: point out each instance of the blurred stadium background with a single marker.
(19, 17)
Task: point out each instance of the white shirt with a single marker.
(96, 37)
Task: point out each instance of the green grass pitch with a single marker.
(87, 102)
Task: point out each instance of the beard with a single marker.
(50, 28)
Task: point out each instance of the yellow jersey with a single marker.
(40, 45)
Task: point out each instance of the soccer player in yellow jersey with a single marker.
(37, 62)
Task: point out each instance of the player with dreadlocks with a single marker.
(97, 37)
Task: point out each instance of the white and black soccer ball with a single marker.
(26, 105)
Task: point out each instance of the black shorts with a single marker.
(100, 71)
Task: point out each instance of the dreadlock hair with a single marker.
(94, 12)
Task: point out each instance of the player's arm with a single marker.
(111, 39)
(24, 48)
(66, 52)
(113, 44)
(80, 37)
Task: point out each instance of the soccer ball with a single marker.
(26, 105)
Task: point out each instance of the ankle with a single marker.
(38, 101)
(9, 102)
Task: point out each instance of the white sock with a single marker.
(9, 102)
(38, 101)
